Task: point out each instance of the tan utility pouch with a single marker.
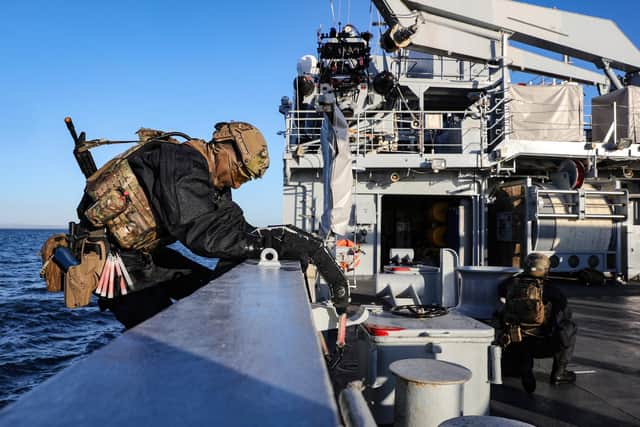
(82, 279)
(121, 205)
(515, 333)
(111, 204)
(511, 334)
(50, 272)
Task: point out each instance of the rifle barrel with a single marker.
(72, 129)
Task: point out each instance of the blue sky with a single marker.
(116, 66)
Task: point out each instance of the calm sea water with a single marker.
(39, 336)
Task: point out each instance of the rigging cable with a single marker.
(333, 13)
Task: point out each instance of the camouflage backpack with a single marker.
(120, 203)
(524, 305)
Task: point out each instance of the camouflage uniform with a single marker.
(555, 337)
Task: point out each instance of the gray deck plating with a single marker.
(240, 351)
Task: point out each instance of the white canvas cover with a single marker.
(547, 113)
(337, 175)
(627, 110)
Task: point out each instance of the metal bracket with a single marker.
(582, 204)
(269, 258)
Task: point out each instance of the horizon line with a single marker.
(31, 226)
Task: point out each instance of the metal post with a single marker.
(484, 132)
(475, 212)
(483, 223)
(376, 244)
(506, 83)
(462, 219)
(358, 138)
(421, 130)
(615, 123)
(528, 203)
(428, 391)
(621, 242)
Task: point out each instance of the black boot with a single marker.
(560, 374)
(526, 375)
(565, 339)
(528, 382)
(564, 377)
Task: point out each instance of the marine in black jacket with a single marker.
(188, 187)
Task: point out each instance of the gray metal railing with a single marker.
(582, 204)
(439, 67)
(393, 131)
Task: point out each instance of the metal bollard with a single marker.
(428, 391)
(479, 289)
(483, 421)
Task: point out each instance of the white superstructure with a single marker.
(448, 152)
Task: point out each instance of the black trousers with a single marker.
(162, 276)
(517, 358)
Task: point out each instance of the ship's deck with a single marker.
(607, 359)
(228, 355)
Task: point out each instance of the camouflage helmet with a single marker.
(537, 265)
(249, 144)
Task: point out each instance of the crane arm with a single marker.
(473, 31)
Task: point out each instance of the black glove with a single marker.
(290, 242)
(293, 243)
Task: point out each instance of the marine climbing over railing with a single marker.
(159, 192)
